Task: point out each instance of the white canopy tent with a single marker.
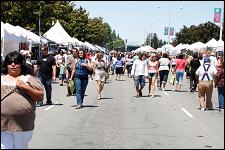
(220, 46)
(211, 43)
(146, 48)
(197, 46)
(12, 37)
(77, 43)
(58, 34)
(179, 46)
(220, 43)
(2, 30)
(12, 33)
(100, 48)
(90, 46)
(168, 47)
(186, 46)
(31, 37)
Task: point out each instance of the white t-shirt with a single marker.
(139, 68)
(164, 64)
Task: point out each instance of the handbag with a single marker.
(172, 79)
(90, 72)
(71, 86)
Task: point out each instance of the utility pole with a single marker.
(169, 27)
(221, 23)
(39, 24)
(150, 39)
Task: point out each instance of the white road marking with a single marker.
(166, 93)
(186, 112)
(50, 107)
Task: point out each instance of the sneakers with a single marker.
(79, 107)
(203, 109)
(49, 103)
(40, 103)
(99, 97)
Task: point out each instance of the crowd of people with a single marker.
(27, 82)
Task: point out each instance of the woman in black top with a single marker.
(194, 65)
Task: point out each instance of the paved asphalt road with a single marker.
(171, 120)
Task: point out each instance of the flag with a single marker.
(166, 30)
(171, 31)
(217, 14)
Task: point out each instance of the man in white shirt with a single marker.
(213, 59)
(139, 72)
(205, 74)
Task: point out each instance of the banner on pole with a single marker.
(166, 30)
(171, 31)
(217, 14)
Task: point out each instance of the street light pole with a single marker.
(221, 23)
(169, 27)
(144, 36)
(169, 22)
(39, 23)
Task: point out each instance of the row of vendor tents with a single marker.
(195, 47)
(12, 36)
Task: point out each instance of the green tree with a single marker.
(75, 21)
(203, 33)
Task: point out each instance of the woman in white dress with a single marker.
(99, 73)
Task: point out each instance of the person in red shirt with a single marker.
(88, 56)
(180, 69)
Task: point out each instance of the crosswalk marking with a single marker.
(186, 112)
(166, 93)
(50, 107)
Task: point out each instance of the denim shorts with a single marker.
(152, 75)
(179, 77)
(62, 76)
(139, 80)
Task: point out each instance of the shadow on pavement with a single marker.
(108, 81)
(181, 91)
(85, 106)
(90, 106)
(168, 90)
(150, 96)
(37, 105)
(55, 82)
(211, 109)
(106, 98)
(121, 80)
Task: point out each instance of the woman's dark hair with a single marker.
(17, 58)
(84, 52)
(195, 55)
(181, 56)
(165, 55)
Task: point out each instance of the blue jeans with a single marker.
(47, 82)
(81, 85)
(221, 96)
(179, 77)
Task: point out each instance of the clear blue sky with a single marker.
(132, 20)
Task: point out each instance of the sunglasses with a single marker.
(13, 61)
